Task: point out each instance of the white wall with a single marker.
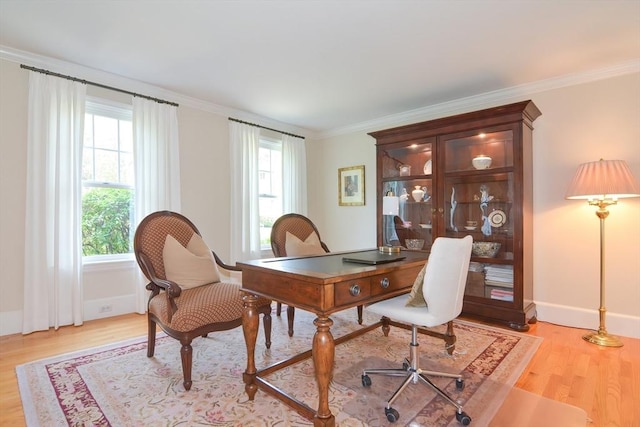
(13, 143)
(342, 227)
(579, 123)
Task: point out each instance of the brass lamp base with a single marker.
(603, 339)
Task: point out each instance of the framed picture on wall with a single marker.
(351, 186)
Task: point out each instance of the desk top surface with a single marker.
(332, 264)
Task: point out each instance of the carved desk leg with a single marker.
(323, 352)
(250, 320)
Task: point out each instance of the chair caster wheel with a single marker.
(366, 381)
(460, 384)
(392, 415)
(463, 418)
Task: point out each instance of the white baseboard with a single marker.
(109, 307)
(617, 324)
(11, 321)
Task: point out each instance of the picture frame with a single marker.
(351, 186)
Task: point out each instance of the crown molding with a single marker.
(131, 85)
(484, 100)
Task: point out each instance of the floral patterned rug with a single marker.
(117, 385)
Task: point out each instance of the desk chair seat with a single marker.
(443, 290)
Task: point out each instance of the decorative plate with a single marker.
(427, 168)
(497, 218)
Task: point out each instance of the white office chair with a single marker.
(443, 289)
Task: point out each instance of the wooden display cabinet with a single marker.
(446, 160)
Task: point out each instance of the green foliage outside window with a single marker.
(106, 221)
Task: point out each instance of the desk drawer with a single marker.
(394, 280)
(351, 291)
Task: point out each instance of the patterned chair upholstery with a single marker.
(301, 227)
(185, 314)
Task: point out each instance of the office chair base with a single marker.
(413, 375)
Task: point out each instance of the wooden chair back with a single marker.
(150, 237)
(296, 224)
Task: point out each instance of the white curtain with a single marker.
(157, 166)
(294, 175)
(245, 214)
(53, 240)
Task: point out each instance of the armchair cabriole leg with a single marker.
(266, 322)
(151, 340)
(291, 314)
(186, 353)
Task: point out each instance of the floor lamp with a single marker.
(602, 183)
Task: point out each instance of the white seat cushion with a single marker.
(396, 309)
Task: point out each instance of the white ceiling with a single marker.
(322, 65)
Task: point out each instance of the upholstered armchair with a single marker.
(193, 292)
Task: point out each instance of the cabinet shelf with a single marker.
(478, 172)
(504, 259)
(492, 202)
(406, 178)
(460, 193)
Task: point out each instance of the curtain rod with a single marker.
(264, 127)
(75, 79)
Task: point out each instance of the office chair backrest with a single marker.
(446, 276)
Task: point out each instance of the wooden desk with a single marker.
(322, 285)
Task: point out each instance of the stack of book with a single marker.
(499, 279)
(501, 294)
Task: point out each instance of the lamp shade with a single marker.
(604, 179)
(390, 205)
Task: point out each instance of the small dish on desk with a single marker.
(469, 227)
(425, 225)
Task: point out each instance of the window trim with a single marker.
(119, 111)
(273, 144)
(108, 108)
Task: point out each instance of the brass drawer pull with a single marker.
(354, 290)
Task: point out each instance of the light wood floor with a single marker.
(605, 382)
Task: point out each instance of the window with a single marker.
(107, 180)
(269, 187)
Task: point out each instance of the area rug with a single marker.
(117, 385)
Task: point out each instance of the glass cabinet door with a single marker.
(407, 175)
(479, 200)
